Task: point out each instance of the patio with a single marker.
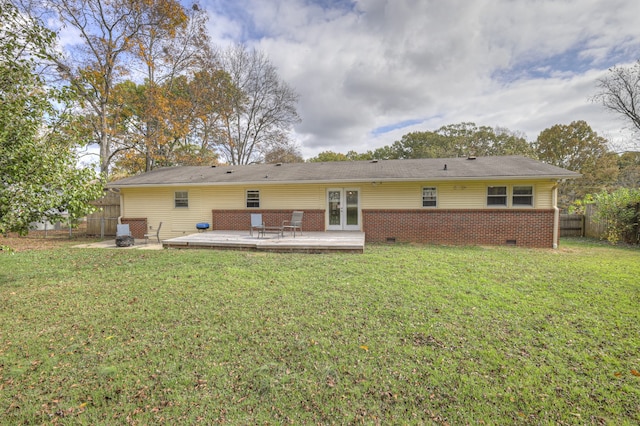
(308, 242)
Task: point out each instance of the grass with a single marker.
(401, 334)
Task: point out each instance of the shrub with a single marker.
(618, 210)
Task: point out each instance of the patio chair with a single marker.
(257, 224)
(151, 234)
(294, 223)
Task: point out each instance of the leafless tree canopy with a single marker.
(619, 92)
(263, 110)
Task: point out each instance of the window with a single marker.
(497, 196)
(181, 199)
(253, 198)
(429, 196)
(522, 196)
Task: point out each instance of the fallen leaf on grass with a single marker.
(635, 373)
(365, 348)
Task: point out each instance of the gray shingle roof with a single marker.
(427, 169)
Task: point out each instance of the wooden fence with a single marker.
(578, 225)
(572, 225)
(103, 222)
(592, 228)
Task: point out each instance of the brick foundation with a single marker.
(137, 226)
(527, 228)
(240, 220)
(520, 227)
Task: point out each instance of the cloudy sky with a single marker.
(369, 71)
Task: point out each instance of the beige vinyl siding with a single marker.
(385, 195)
(390, 195)
(223, 198)
(157, 205)
(290, 197)
(451, 195)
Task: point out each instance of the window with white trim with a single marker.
(497, 196)
(522, 196)
(429, 196)
(253, 198)
(181, 199)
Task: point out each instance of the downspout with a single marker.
(121, 208)
(556, 216)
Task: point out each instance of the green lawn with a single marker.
(401, 334)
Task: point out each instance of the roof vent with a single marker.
(278, 164)
(445, 167)
(471, 157)
(373, 161)
(214, 166)
(229, 171)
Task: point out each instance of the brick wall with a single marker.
(137, 225)
(527, 228)
(240, 220)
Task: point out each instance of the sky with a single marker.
(370, 71)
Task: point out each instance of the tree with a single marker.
(38, 175)
(620, 93)
(577, 147)
(629, 166)
(328, 156)
(112, 34)
(264, 107)
(457, 140)
(184, 123)
(166, 105)
(285, 153)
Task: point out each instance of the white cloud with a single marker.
(371, 64)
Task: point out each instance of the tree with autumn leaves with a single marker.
(154, 91)
(577, 147)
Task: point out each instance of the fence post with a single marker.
(102, 227)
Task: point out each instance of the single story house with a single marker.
(508, 200)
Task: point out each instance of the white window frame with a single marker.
(252, 200)
(433, 197)
(514, 195)
(182, 201)
(494, 196)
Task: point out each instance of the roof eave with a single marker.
(360, 180)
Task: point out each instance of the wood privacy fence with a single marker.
(592, 228)
(103, 222)
(572, 225)
(578, 225)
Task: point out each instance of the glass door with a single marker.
(343, 209)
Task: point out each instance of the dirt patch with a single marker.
(41, 240)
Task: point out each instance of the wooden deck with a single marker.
(308, 242)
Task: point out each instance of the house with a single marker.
(481, 201)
